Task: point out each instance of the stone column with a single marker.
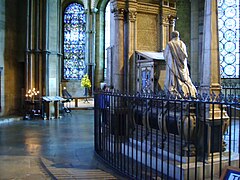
(93, 44)
(27, 46)
(216, 117)
(88, 38)
(88, 50)
(35, 44)
(132, 29)
(99, 66)
(118, 59)
(210, 68)
(45, 48)
(164, 33)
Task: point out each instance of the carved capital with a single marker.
(132, 15)
(165, 20)
(94, 10)
(118, 13)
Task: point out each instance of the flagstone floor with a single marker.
(51, 149)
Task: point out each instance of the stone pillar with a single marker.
(27, 77)
(164, 34)
(118, 59)
(45, 48)
(88, 38)
(210, 67)
(90, 41)
(132, 29)
(99, 63)
(93, 44)
(216, 117)
(35, 45)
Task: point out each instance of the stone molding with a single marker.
(119, 13)
(148, 8)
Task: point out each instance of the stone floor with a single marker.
(51, 149)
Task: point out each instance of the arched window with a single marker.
(107, 35)
(228, 24)
(74, 42)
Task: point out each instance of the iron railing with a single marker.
(158, 136)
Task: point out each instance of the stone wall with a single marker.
(12, 55)
(147, 31)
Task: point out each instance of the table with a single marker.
(46, 105)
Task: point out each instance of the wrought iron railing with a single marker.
(158, 136)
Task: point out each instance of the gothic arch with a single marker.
(67, 2)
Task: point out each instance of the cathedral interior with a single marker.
(50, 45)
(45, 46)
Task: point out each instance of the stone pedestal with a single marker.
(169, 163)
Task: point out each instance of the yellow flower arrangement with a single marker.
(85, 82)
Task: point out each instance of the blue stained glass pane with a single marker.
(229, 35)
(74, 41)
(229, 41)
(230, 2)
(230, 23)
(229, 58)
(230, 12)
(229, 46)
(229, 70)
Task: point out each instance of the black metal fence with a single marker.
(153, 137)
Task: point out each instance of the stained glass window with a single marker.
(229, 37)
(74, 41)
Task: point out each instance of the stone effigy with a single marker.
(178, 81)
